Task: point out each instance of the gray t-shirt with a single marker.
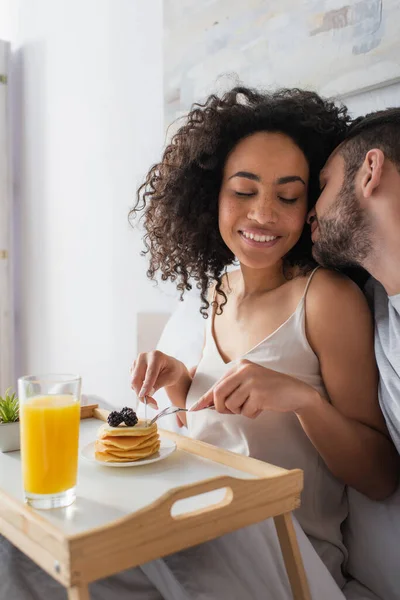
(387, 349)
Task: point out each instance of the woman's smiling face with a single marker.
(263, 198)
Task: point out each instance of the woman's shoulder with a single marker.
(332, 285)
(334, 299)
(316, 284)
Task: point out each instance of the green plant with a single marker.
(9, 407)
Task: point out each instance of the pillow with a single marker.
(182, 338)
(372, 536)
(183, 335)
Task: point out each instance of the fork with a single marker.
(171, 410)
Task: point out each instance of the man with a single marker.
(356, 222)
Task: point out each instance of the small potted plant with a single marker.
(9, 422)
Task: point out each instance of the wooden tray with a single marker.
(126, 517)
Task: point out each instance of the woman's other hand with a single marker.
(154, 370)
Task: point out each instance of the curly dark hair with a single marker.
(179, 197)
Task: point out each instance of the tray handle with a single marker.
(237, 489)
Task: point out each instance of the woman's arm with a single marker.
(154, 370)
(350, 431)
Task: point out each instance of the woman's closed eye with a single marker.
(244, 194)
(288, 200)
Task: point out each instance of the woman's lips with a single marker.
(259, 240)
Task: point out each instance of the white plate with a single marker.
(167, 447)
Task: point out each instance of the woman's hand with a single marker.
(247, 389)
(154, 370)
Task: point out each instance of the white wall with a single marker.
(378, 99)
(88, 122)
(8, 19)
(6, 300)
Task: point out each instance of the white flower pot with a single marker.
(9, 437)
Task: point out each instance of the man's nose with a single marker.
(312, 215)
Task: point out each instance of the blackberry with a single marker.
(115, 418)
(129, 416)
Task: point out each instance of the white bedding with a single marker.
(355, 591)
(20, 579)
(244, 565)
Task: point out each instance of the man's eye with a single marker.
(245, 193)
(288, 200)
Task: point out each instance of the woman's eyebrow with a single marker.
(246, 175)
(289, 179)
(279, 181)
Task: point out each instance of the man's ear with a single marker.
(371, 171)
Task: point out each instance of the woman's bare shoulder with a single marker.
(335, 306)
(333, 286)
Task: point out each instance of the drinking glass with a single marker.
(49, 418)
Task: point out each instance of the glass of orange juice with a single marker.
(49, 417)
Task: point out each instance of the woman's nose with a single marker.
(263, 212)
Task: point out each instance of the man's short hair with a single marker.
(379, 129)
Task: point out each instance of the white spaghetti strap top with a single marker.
(275, 437)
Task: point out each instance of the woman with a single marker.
(288, 360)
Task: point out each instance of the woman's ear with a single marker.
(371, 171)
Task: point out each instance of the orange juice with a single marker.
(49, 443)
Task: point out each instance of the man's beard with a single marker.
(344, 234)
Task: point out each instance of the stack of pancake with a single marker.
(126, 444)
